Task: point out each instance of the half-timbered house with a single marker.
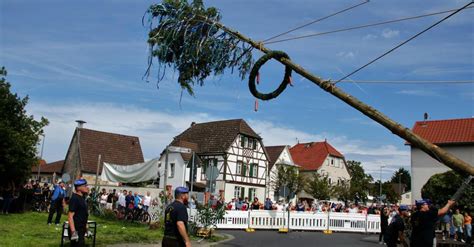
(231, 149)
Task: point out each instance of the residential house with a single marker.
(231, 148)
(47, 171)
(453, 135)
(278, 156)
(322, 158)
(89, 149)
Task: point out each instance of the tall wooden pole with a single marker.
(97, 172)
(429, 148)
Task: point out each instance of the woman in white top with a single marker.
(103, 199)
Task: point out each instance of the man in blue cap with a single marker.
(176, 220)
(395, 230)
(78, 213)
(423, 222)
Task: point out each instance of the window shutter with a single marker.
(244, 169)
(251, 171)
(255, 143)
(242, 192)
(242, 138)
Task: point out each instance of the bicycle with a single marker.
(138, 214)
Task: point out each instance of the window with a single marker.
(251, 193)
(250, 143)
(171, 173)
(332, 162)
(253, 170)
(242, 140)
(237, 191)
(246, 140)
(330, 180)
(238, 169)
(255, 141)
(244, 169)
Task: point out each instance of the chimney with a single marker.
(193, 123)
(80, 123)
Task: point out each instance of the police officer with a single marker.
(423, 222)
(395, 230)
(78, 213)
(176, 220)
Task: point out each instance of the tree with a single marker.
(342, 191)
(19, 135)
(318, 187)
(403, 176)
(289, 177)
(440, 188)
(360, 181)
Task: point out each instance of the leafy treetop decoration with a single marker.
(184, 36)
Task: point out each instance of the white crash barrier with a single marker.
(309, 221)
(268, 219)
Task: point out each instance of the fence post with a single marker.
(288, 221)
(329, 216)
(366, 222)
(248, 219)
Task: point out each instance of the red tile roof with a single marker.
(53, 167)
(450, 131)
(273, 154)
(113, 148)
(310, 156)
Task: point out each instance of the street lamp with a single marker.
(380, 196)
(41, 156)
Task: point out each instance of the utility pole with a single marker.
(41, 157)
(97, 171)
(380, 198)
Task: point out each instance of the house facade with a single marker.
(89, 149)
(278, 156)
(47, 171)
(456, 136)
(322, 158)
(230, 150)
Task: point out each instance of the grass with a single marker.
(30, 229)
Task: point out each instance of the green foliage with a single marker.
(403, 176)
(360, 181)
(30, 229)
(19, 135)
(184, 36)
(287, 176)
(440, 188)
(318, 187)
(208, 217)
(342, 191)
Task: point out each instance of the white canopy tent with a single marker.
(130, 173)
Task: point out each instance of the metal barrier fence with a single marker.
(269, 219)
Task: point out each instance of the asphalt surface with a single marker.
(298, 239)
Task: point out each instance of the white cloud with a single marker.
(389, 33)
(369, 37)
(346, 55)
(156, 129)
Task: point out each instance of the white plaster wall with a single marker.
(423, 166)
(336, 171)
(178, 178)
(230, 187)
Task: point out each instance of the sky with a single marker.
(86, 60)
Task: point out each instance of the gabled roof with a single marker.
(113, 148)
(215, 137)
(273, 154)
(53, 167)
(449, 131)
(311, 156)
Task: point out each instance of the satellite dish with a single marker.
(66, 178)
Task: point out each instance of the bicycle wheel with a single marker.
(146, 218)
(129, 216)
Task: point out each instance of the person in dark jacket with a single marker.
(78, 213)
(383, 223)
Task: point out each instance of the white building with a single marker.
(453, 135)
(278, 156)
(230, 147)
(322, 158)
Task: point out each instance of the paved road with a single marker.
(298, 239)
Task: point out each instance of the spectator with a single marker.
(458, 222)
(121, 200)
(129, 200)
(255, 204)
(238, 204)
(45, 191)
(353, 209)
(146, 201)
(268, 204)
(245, 204)
(300, 206)
(231, 204)
(445, 225)
(7, 197)
(57, 202)
(103, 198)
(110, 199)
(468, 227)
(383, 223)
(136, 200)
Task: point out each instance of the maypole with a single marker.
(191, 39)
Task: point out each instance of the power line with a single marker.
(361, 26)
(404, 42)
(317, 20)
(410, 81)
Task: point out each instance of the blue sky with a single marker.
(85, 60)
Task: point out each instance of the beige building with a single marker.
(453, 135)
